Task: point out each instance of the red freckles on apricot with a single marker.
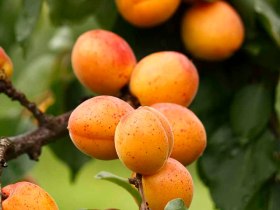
(92, 125)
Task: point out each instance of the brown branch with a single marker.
(31, 143)
(7, 88)
(137, 182)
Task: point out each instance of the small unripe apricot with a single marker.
(143, 13)
(212, 30)
(92, 125)
(26, 196)
(6, 64)
(165, 76)
(189, 132)
(172, 181)
(143, 141)
(102, 61)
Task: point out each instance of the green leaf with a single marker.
(65, 151)
(236, 174)
(269, 19)
(176, 204)
(277, 100)
(250, 111)
(27, 19)
(122, 182)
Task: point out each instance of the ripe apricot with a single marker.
(102, 61)
(172, 181)
(165, 76)
(189, 132)
(143, 13)
(143, 141)
(92, 125)
(26, 196)
(6, 63)
(212, 30)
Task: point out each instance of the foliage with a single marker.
(238, 99)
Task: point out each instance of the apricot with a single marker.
(172, 181)
(189, 133)
(102, 61)
(92, 125)
(6, 64)
(26, 196)
(212, 30)
(143, 140)
(165, 76)
(143, 13)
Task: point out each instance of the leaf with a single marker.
(176, 204)
(250, 111)
(122, 182)
(238, 171)
(277, 100)
(27, 19)
(65, 151)
(269, 19)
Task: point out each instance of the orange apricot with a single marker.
(6, 64)
(143, 13)
(189, 133)
(26, 196)
(102, 61)
(165, 76)
(143, 141)
(92, 125)
(172, 181)
(212, 30)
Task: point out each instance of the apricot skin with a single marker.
(141, 141)
(172, 181)
(143, 13)
(165, 76)
(26, 196)
(102, 61)
(212, 31)
(6, 63)
(189, 133)
(92, 125)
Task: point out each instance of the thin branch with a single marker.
(7, 88)
(137, 182)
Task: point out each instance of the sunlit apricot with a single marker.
(102, 61)
(143, 13)
(172, 181)
(92, 125)
(189, 132)
(143, 141)
(212, 30)
(165, 76)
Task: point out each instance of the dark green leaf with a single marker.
(250, 111)
(269, 19)
(235, 174)
(176, 204)
(277, 100)
(27, 19)
(65, 150)
(122, 182)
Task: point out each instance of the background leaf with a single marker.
(250, 111)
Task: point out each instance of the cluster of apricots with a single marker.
(158, 138)
(210, 30)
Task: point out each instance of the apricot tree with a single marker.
(229, 110)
